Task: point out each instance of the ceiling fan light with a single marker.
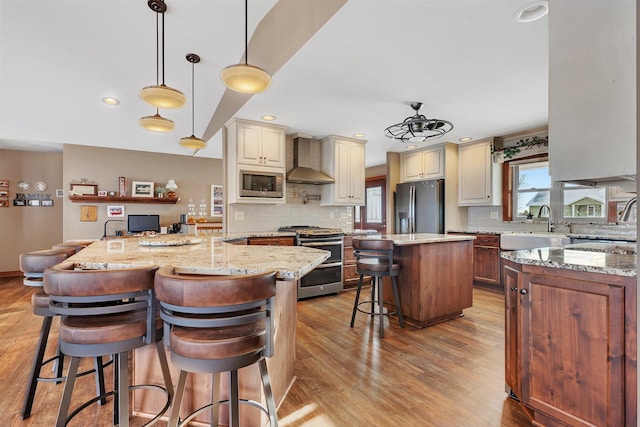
(418, 128)
(161, 96)
(245, 78)
(157, 123)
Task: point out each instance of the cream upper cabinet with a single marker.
(260, 145)
(479, 180)
(255, 147)
(343, 159)
(592, 92)
(423, 164)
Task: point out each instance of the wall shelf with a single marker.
(118, 199)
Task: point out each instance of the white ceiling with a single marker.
(469, 62)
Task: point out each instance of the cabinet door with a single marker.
(573, 349)
(249, 144)
(475, 176)
(343, 172)
(357, 173)
(511, 279)
(433, 163)
(273, 147)
(486, 264)
(412, 167)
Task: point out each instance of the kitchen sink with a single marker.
(517, 241)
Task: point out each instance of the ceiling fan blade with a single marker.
(280, 34)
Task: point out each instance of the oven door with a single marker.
(323, 274)
(334, 246)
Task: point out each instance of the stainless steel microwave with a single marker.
(261, 184)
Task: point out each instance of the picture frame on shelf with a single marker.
(217, 195)
(142, 189)
(4, 203)
(102, 193)
(4, 183)
(19, 202)
(47, 202)
(34, 202)
(59, 192)
(4, 193)
(115, 211)
(84, 189)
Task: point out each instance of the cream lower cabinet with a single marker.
(343, 159)
(479, 180)
(422, 164)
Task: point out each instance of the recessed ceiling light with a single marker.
(358, 135)
(465, 139)
(532, 11)
(110, 101)
(268, 117)
(410, 147)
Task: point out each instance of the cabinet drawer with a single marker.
(348, 255)
(487, 240)
(271, 241)
(350, 272)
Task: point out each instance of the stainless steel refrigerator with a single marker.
(419, 207)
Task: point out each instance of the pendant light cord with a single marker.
(246, 31)
(193, 102)
(157, 49)
(163, 49)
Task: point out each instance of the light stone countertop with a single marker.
(210, 256)
(579, 259)
(419, 238)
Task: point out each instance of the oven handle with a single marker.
(333, 264)
(327, 243)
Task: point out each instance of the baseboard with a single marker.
(10, 273)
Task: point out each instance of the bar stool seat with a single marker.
(374, 257)
(215, 324)
(76, 245)
(106, 312)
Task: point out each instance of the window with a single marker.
(534, 192)
(374, 205)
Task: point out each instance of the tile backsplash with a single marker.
(294, 212)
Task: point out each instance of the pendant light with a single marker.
(245, 78)
(161, 95)
(193, 141)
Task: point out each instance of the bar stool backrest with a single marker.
(77, 292)
(210, 301)
(32, 264)
(374, 255)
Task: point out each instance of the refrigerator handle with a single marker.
(412, 209)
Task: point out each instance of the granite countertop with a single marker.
(205, 255)
(246, 234)
(420, 238)
(590, 257)
(592, 236)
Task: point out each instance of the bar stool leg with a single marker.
(355, 304)
(63, 411)
(268, 393)
(174, 417)
(215, 397)
(397, 297)
(380, 306)
(233, 399)
(100, 388)
(375, 285)
(35, 367)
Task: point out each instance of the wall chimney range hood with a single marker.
(301, 173)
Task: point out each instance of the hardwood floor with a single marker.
(450, 374)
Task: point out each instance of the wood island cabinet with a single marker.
(570, 347)
(350, 276)
(486, 258)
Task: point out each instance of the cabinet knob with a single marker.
(524, 291)
(514, 289)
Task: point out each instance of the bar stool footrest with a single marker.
(198, 411)
(376, 313)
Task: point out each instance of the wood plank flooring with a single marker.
(450, 374)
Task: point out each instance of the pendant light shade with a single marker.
(161, 95)
(245, 78)
(157, 123)
(193, 142)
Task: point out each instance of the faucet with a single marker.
(549, 223)
(624, 213)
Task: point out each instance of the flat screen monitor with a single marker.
(141, 223)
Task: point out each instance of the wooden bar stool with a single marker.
(216, 324)
(374, 257)
(106, 312)
(32, 265)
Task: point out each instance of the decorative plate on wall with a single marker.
(23, 185)
(40, 186)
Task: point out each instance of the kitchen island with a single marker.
(212, 255)
(570, 333)
(435, 282)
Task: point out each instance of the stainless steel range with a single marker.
(327, 277)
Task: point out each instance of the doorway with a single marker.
(372, 216)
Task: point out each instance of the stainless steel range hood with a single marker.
(301, 172)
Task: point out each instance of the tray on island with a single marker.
(172, 242)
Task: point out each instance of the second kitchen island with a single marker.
(435, 282)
